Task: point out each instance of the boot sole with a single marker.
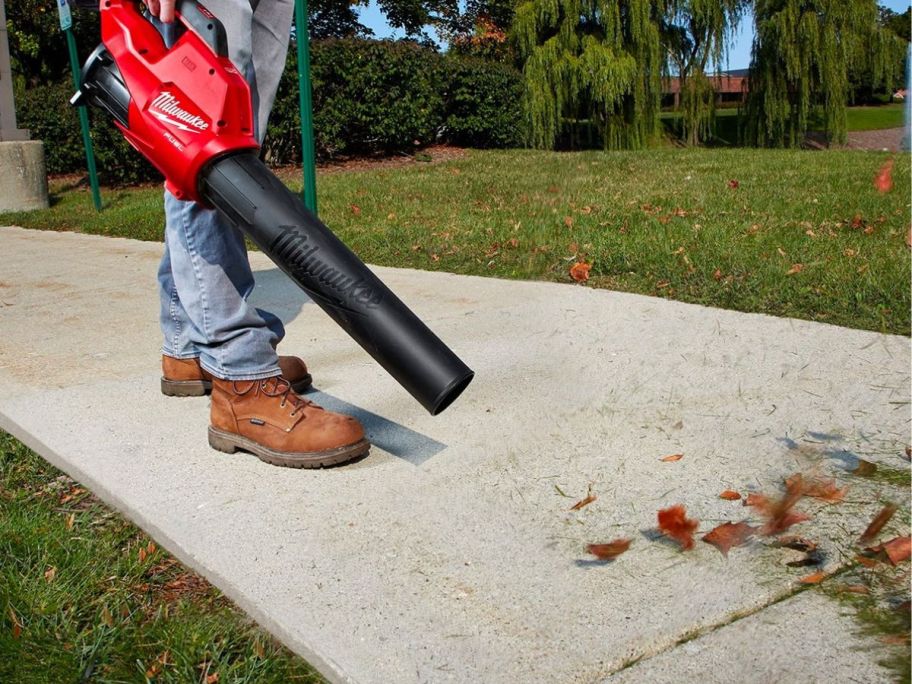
(230, 443)
(199, 388)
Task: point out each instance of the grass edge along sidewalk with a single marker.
(87, 596)
(809, 235)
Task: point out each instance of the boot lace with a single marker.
(278, 387)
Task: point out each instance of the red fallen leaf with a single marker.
(582, 503)
(857, 221)
(865, 561)
(513, 243)
(717, 274)
(815, 578)
(674, 523)
(733, 184)
(568, 221)
(730, 495)
(796, 268)
(877, 524)
(580, 271)
(356, 210)
(884, 179)
(672, 458)
(727, 535)
(897, 550)
(609, 551)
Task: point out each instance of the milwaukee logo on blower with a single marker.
(166, 107)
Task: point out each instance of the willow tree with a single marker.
(599, 60)
(801, 55)
(696, 33)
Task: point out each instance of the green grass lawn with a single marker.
(804, 234)
(875, 118)
(86, 596)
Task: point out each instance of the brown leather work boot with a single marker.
(266, 418)
(187, 378)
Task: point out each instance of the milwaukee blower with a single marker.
(185, 107)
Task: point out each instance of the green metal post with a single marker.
(84, 122)
(308, 157)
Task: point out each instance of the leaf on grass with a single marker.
(49, 574)
(866, 561)
(730, 495)
(580, 271)
(72, 494)
(858, 221)
(852, 588)
(609, 551)
(106, 617)
(727, 535)
(142, 555)
(70, 521)
(258, 648)
(815, 578)
(796, 268)
(883, 181)
(150, 548)
(671, 458)
(864, 468)
(17, 626)
(733, 184)
(356, 210)
(674, 523)
(877, 524)
(213, 678)
(582, 503)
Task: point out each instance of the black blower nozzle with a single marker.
(251, 197)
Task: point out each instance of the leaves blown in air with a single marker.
(674, 523)
(729, 534)
(877, 524)
(883, 181)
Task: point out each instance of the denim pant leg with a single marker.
(204, 282)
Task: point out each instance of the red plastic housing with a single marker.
(188, 106)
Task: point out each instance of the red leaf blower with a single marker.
(187, 110)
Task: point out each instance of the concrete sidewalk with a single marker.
(449, 554)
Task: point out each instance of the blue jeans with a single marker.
(204, 278)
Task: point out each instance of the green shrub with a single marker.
(45, 111)
(483, 103)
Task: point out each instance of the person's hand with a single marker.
(163, 9)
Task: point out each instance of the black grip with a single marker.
(204, 24)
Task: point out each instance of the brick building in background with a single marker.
(731, 89)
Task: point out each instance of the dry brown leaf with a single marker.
(142, 555)
(356, 210)
(760, 501)
(151, 547)
(727, 535)
(50, 574)
(609, 551)
(852, 588)
(259, 649)
(568, 221)
(582, 503)
(580, 271)
(213, 678)
(733, 184)
(819, 488)
(17, 626)
(857, 221)
(815, 578)
(865, 561)
(796, 268)
(864, 468)
(671, 458)
(674, 523)
(877, 524)
(797, 543)
(106, 617)
(70, 521)
(730, 495)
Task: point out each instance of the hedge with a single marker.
(369, 97)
